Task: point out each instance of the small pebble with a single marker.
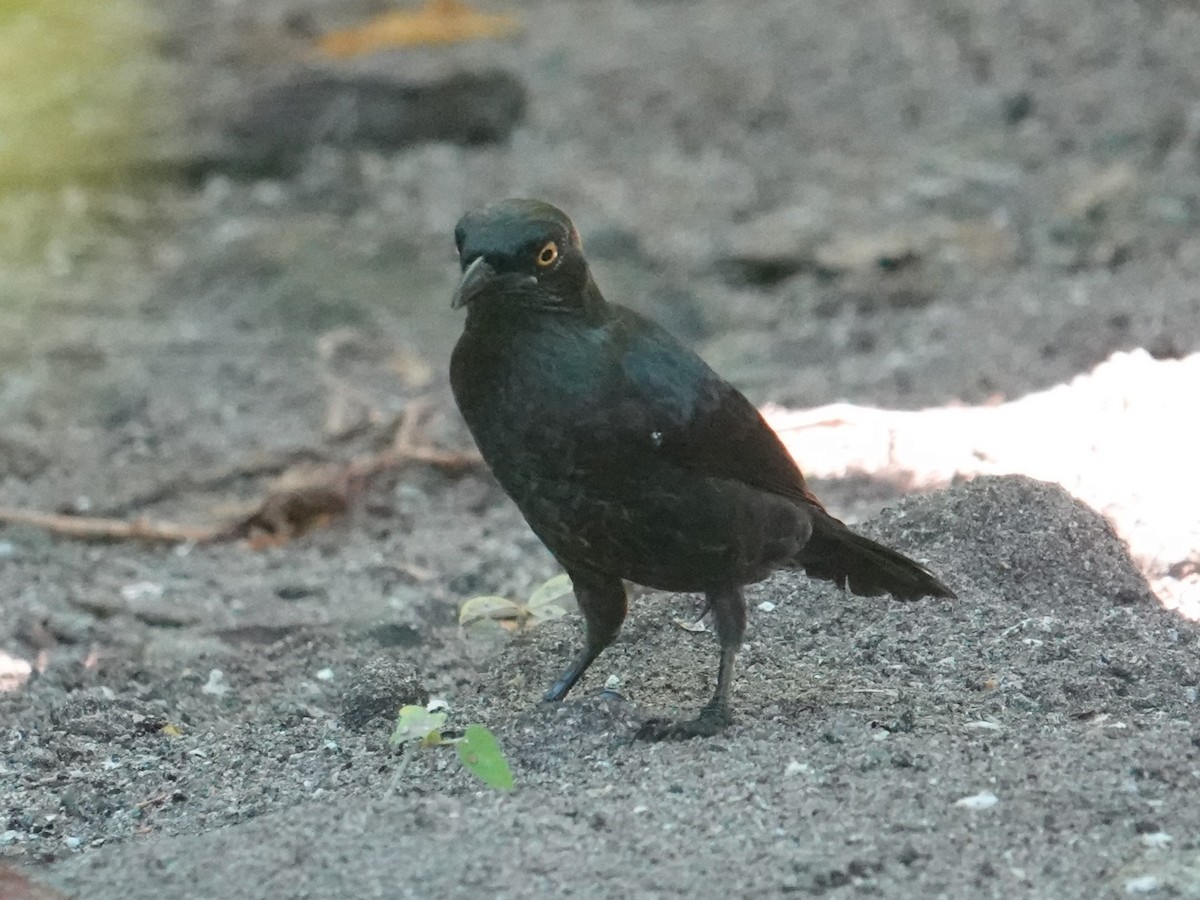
(216, 684)
(982, 800)
(984, 725)
(766, 606)
(142, 590)
(1143, 884)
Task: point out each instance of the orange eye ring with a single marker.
(547, 255)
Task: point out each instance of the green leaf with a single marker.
(480, 753)
(487, 608)
(544, 605)
(697, 627)
(548, 591)
(545, 613)
(416, 723)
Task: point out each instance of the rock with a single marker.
(980, 243)
(1095, 196)
(794, 239)
(774, 246)
(274, 130)
(163, 613)
(886, 251)
(983, 243)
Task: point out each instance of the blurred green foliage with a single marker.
(84, 95)
(78, 82)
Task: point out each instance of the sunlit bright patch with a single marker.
(1120, 438)
(14, 672)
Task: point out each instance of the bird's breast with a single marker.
(523, 396)
(579, 447)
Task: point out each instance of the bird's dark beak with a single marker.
(475, 280)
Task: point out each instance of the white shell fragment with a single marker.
(216, 684)
(1143, 884)
(982, 800)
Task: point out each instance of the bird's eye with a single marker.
(547, 255)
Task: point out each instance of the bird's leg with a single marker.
(603, 603)
(729, 618)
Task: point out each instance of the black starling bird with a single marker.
(629, 457)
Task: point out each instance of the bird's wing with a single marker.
(669, 398)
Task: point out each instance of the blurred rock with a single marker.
(887, 251)
(774, 246)
(271, 133)
(1097, 195)
(20, 460)
(1098, 220)
(162, 612)
(983, 244)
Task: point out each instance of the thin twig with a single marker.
(281, 514)
(98, 528)
(263, 464)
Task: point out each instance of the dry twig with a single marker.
(301, 501)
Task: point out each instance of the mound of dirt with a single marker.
(1034, 736)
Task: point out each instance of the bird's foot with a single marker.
(711, 721)
(605, 694)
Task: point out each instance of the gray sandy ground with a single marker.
(1053, 688)
(1034, 168)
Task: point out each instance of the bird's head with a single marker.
(520, 254)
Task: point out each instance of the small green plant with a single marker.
(478, 750)
(543, 606)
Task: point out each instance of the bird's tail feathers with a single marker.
(835, 553)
